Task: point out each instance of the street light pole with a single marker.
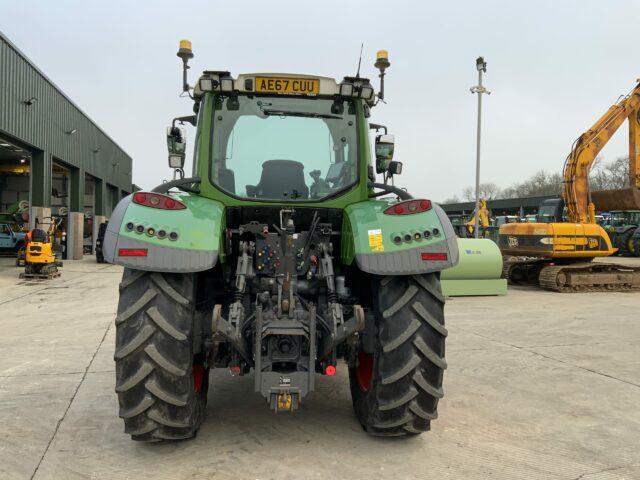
(481, 66)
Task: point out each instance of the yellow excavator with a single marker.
(40, 260)
(556, 251)
(483, 220)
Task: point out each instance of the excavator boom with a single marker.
(483, 217)
(577, 197)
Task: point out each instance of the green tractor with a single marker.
(621, 228)
(279, 256)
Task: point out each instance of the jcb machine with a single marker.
(40, 260)
(279, 256)
(467, 229)
(557, 253)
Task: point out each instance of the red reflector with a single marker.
(408, 207)
(330, 370)
(132, 252)
(433, 256)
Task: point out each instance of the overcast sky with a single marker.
(553, 68)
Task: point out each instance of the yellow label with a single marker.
(375, 240)
(291, 86)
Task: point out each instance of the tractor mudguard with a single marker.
(370, 237)
(191, 241)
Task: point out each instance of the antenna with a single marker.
(359, 60)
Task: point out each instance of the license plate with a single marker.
(291, 86)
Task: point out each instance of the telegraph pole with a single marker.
(481, 66)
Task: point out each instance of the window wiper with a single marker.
(286, 113)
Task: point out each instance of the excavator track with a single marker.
(589, 277)
(41, 272)
(522, 271)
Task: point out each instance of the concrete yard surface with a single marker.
(540, 385)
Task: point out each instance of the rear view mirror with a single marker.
(177, 146)
(384, 152)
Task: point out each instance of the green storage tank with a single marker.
(478, 272)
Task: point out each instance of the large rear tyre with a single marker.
(395, 390)
(627, 247)
(161, 384)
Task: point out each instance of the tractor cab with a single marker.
(623, 218)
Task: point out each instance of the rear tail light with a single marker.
(157, 200)
(434, 256)
(409, 207)
(132, 252)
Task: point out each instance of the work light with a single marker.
(226, 84)
(206, 84)
(366, 92)
(176, 161)
(346, 89)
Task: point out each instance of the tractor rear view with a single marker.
(279, 257)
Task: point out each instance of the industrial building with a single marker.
(502, 206)
(54, 160)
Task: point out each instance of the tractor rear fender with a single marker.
(154, 239)
(625, 229)
(370, 238)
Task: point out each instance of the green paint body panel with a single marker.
(362, 221)
(478, 271)
(199, 226)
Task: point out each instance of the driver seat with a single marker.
(280, 179)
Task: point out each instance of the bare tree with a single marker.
(610, 176)
(613, 175)
(488, 191)
(453, 199)
(541, 183)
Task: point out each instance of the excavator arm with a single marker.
(482, 214)
(577, 197)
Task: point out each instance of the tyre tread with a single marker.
(154, 357)
(407, 379)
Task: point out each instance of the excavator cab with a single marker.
(551, 210)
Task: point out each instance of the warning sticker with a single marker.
(375, 240)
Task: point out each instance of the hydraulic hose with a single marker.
(391, 189)
(181, 183)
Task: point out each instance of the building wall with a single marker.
(500, 206)
(44, 124)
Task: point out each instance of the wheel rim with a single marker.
(364, 372)
(198, 377)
